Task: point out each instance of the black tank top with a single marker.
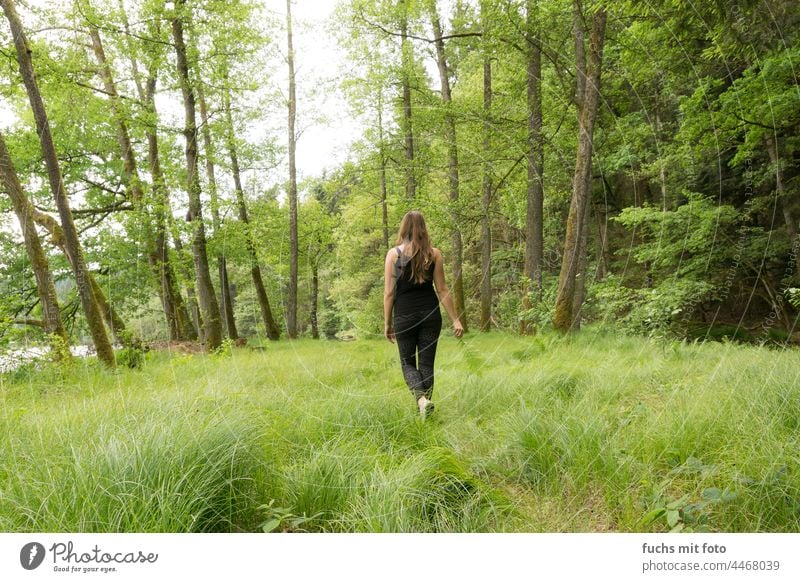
(410, 296)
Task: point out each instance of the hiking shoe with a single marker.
(425, 407)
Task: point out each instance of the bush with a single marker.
(664, 310)
(130, 358)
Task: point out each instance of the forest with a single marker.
(607, 182)
(625, 163)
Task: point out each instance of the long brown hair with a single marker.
(414, 233)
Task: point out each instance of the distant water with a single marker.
(13, 359)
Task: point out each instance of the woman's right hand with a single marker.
(458, 329)
(388, 332)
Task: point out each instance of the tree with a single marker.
(105, 352)
(222, 263)
(131, 177)
(291, 307)
(407, 58)
(534, 224)
(205, 288)
(588, 96)
(486, 186)
(175, 309)
(317, 244)
(452, 161)
(270, 326)
(51, 314)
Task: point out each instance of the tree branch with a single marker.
(774, 128)
(100, 186)
(507, 174)
(361, 17)
(99, 90)
(118, 206)
(28, 321)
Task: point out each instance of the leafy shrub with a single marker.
(130, 358)
(540, 313)
(664, 310)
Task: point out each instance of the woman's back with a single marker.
(412, 296)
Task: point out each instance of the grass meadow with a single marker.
(591, 433)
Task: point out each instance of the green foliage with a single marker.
(681, 240)
(130, 358)
(282, 519)
(540, 314)
(793, 296)
(684, 515)
(663, 309)
(685, 251)
(683, 176)
(225, 349)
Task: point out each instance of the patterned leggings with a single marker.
(418, 333)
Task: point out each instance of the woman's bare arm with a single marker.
(388, 294)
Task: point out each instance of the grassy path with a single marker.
(594, 433)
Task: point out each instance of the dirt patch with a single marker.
(181, 347)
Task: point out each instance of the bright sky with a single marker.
(327, 129)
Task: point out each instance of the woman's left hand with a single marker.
(388, 331)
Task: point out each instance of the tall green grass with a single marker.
(588, 433)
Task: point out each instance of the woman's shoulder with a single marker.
(392, 254)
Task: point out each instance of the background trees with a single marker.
(576, 160)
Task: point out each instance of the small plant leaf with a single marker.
(653, 515)
(673, 517)
(678, 503)
(271, 525)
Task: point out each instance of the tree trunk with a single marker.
(291, 303)
(110, 315)
(270, 326)
(408, 132)
(314, 300)
(123, 138)
(226, 300)
(452, 164)
(105, 352)
(565, 311)
(193, 309)
(534, 226)
(486, 231)
(583, 265)
(51, 314)
(205, 288)
(580, 56)
(382, 173)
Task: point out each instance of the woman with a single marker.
(411, 270)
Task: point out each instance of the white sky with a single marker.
(327, 128)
